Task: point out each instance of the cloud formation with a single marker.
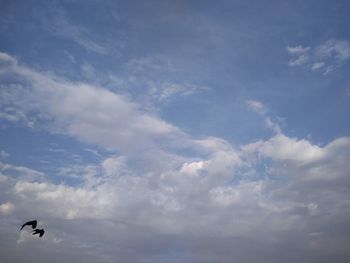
(88, 112)
(325, 57)
(153, 82)
(184, 199)
(59, 25)
(195, 202)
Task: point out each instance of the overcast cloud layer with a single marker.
(178, 131)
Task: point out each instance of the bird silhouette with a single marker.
(38, 231)
(30, 223)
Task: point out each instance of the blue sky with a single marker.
(175, 131)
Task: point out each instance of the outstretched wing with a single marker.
(32, 223)
(38, 231)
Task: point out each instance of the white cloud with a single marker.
(192, 169)
(213, 196)
(261, 109)
(64, 201)
(4, 154)
(90, 113)
(26, 236)
(3, 178)
(268, 193)
(225, 196)
(338, 49)
(329, 69)
(243, 193)
(20, 172)
(7, 59)
(333, 166)
(166, 90)
(88, 70)
(300, 55)
(327, 56)
(299, 61)
(317, 65)
(6, 208)
(281, 147)
(304, 160)
(115, 166)
(297, 49)
(257, 106)
(94, 152)
(14, 115)
(152, 82)
(212, 144)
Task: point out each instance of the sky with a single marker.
(175, 131)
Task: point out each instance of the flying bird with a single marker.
(30, 223)
(38, 231)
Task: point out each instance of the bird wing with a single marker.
(29, 223)
(23, 225)
(32, 223)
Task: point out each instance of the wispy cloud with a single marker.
(257, 106)
(326, 57)
(59, 25)
(20, 172)
(318, 65)
(262, 109)
(153, 82)
(336, 49)
(4, 154)
(166, 91)
(298, 50)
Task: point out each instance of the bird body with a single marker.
(40, 232)
(32, 223)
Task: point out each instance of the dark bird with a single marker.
(38, 231)
(30, 223)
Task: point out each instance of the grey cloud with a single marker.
(198, 217)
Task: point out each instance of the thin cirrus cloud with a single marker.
(262, 110)
(325, 57)
(153, 79)
(59, 25)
